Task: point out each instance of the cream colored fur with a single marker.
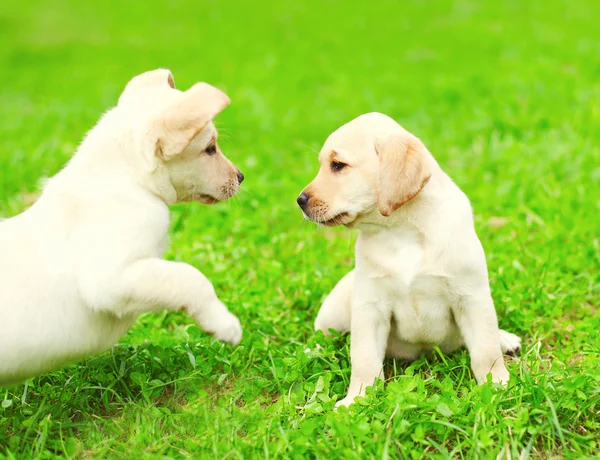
(79, 266)
(420, 278)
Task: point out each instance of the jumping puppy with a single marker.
(420, 278)
(79, 266)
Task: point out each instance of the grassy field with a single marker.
(506, 96)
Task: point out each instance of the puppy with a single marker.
(420, 278)
(80, 265)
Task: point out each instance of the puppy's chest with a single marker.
(401, 280)
(392, 262)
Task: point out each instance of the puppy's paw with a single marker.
(228, 329)
(510, 343)
(344, 402)
(500, 376)
(220, 322)
(498, 371)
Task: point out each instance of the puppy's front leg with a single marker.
(369, 330)
(154, 284)
(476, 318)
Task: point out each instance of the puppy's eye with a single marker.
(337, 166)
(211, 149)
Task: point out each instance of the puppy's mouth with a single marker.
(338, 219)
(343, 218)
(226, 193)
(206, 199)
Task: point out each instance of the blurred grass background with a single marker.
(505, 95)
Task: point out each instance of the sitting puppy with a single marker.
(79, 266)
(420, 278)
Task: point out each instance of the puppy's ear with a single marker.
(156, 77)
(184, 119)
(403, 171)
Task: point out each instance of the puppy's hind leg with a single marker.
(509, 342)
(335, 311)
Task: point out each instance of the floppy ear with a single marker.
(403, 171)
(177, 126)
(151, 78)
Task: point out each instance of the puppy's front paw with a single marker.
(499, 373)
(229, 329)
(349, 399)
(220, 322)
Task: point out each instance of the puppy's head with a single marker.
(369, 168)
(175, 136)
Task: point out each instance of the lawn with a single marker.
(506, 95)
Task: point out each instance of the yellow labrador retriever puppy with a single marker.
(421, 277)
(79, 266)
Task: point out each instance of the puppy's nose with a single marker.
(240, 177)
(302, 200)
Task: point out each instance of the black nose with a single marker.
(302, 200)
(240, 177)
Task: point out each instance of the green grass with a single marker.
(505, 94)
